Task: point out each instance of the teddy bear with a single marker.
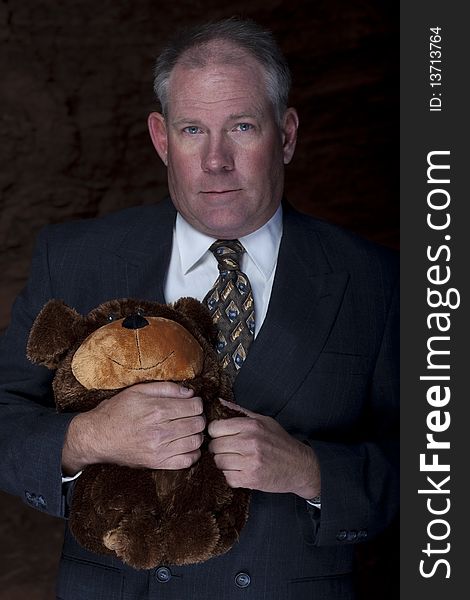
(144, 517)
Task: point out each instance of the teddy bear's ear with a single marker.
(199, 314)
(52, 334)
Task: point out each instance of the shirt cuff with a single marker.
(68, 479)
(316, 502)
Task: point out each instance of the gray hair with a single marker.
(197, 46)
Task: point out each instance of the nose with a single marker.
(135, 321)
(217, 156)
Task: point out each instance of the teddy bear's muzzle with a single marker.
(136, 349)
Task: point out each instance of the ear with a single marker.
(52, 334)
(290, 124)
(199, 315)
(158, 132)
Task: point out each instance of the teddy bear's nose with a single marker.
(135, 321)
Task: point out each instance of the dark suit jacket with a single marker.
(324, 365)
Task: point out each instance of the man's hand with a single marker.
(257, 453)
(157, 425)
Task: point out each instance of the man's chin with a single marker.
(224, 224)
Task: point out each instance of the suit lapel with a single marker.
(305, 299)
(139, 261)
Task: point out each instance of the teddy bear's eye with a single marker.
(112, 317)
(140, 312)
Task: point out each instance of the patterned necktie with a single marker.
(231, 305)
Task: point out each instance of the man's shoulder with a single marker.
(129, 223)
(343, 248)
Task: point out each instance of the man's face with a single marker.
(224, 150)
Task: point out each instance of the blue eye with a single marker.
(244, 126)
(191, 129)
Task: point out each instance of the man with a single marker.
(319, 381)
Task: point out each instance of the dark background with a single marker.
(76, 89)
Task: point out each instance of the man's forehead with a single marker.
(239, 85)
(218, 56)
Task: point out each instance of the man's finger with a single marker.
(226, 444)
(229, 462)
(163, 389)
(223, 427)
(180, 461)
(177, 408)
(180, 428)
(185, 445)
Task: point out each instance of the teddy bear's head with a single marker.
(118, 344)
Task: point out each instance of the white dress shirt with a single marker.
(193, 268)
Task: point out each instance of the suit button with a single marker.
(352, 535)
(37, 501)
(163, 574)
(242, 580)
(342, 535)
(361, 534)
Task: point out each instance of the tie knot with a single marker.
(228, 254)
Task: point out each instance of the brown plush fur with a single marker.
(143, 517)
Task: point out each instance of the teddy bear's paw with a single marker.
(116, 540)
(190, 538)
(136, 548)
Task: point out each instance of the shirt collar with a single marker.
(262, 245)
